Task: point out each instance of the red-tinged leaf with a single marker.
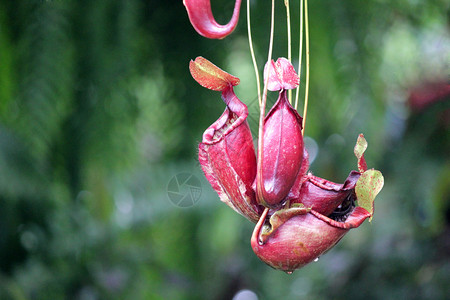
(360, 148)
(201, 17)
(367, 188)
(210, 76)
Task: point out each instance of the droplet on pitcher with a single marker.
(289, 272)
(316, 259)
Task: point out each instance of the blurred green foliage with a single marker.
(98, 113)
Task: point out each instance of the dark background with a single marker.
(99, 116)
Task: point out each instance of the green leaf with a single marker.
(367, 188)
(360, 148)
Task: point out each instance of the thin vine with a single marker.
(300, 54)
(252, 52)
(264, 100)
(305, 107)
(288, 20)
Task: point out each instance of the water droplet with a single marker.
(316, 260)
(289, 272)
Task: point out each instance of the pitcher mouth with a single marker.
(235, 115)
(227, 123)
(345, 209)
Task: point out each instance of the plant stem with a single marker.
(288, 19)
(305, 108)
(252, 52)
(300, 54)
(263, 108)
